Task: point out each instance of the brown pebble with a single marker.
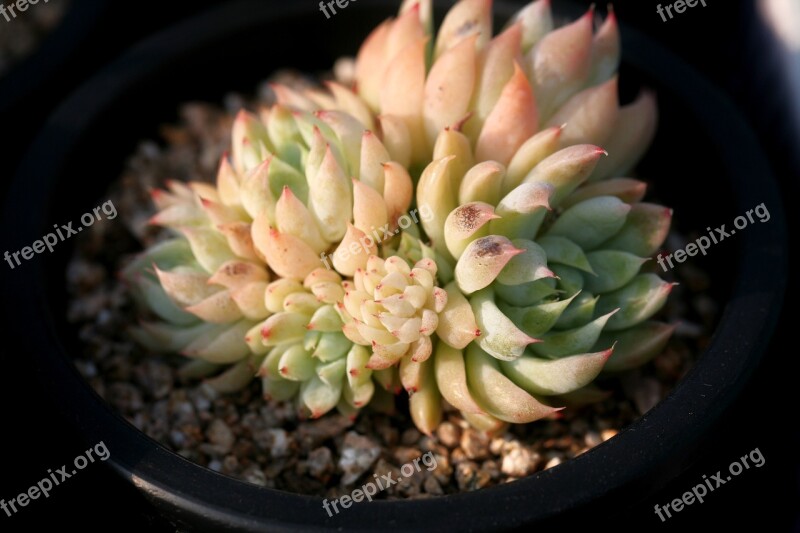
(448, 434)
(405, 454)
(496, 446)
(458, 455)
(475, 444)
(555, 461)
(607, 434)
(432, 486)
(469, 477)
(519, 461)
(592, 439)
(410, 437)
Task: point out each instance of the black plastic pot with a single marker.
(705, 163)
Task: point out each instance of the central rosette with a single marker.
(394, 308)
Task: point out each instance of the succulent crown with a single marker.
(522, 282)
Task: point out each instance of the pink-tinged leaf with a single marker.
(559, 64)
(396, 138)
(449, 87)
(516, 106)
(590, 116)
(218, 308)
(250, 300)
(185, 288)
(240, 239)
(465, 19)
(465, 224)
(287, 255)
(398, 192)
(482, 261)
(633, 133)
(236, 273)
(566, 170)
(628, 190)
(369, 209)
(536, 19)
(228, 183)
(496, 66)
(402, 92)
(370, 63)
(606, 50)
(347, 262)
(407, 29)
(482, 183)
(532, 152)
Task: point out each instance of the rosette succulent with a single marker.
(523, 278)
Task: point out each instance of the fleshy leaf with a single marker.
(591, 222)
(499, 336)
(635, 346)
(559, 376)
(497, 394)
(638, 300)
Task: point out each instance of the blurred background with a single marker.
(749, 49)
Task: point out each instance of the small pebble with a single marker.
(475, 444)
(277, 442)
(220, 435)
(555, 461)
(607, 434)
(358, 453)
(519, 461)
(592, 439)
(432, 486)
(449, 434)
(410, 436)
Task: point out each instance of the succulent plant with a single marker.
(523, 279)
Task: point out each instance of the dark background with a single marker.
(726, 40)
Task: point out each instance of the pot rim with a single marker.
(658, 441)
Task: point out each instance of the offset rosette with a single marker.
(394, 309)
(547, 274)
(307, 356)
(299, 191)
